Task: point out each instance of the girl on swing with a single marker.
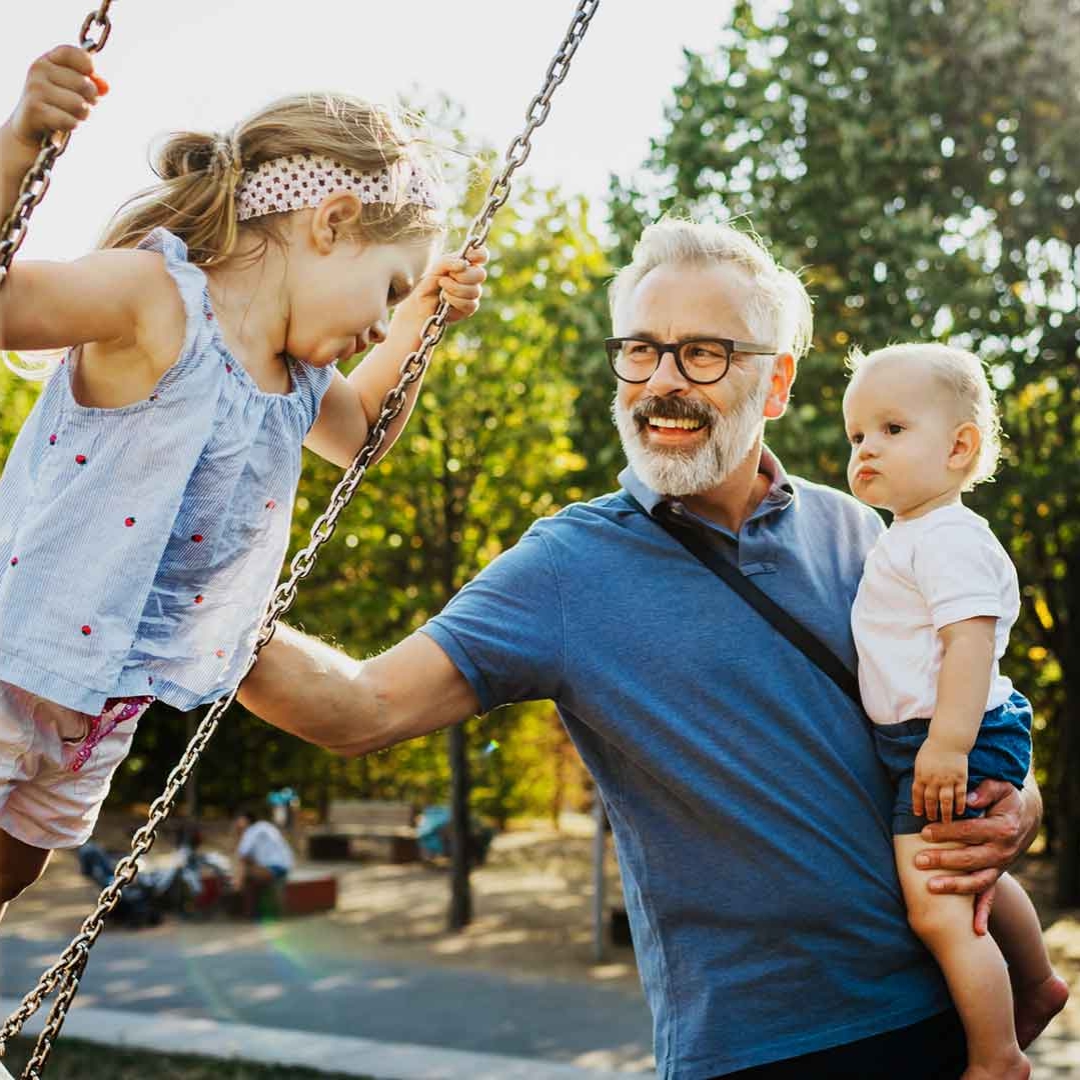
(145, 505)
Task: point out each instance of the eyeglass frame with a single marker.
(732, 346)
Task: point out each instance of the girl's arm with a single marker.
(962, 690)
(60, 88)
(351, 405)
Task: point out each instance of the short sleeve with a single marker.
(504, 630)
(958, 570)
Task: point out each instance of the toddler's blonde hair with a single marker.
(781, 307)
(962, 375)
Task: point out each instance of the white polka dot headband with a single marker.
(299, 181)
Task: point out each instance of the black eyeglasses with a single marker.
(701, 360)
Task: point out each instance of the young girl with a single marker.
(931, 621)
(145, 505)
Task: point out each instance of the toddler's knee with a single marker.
(940, 919)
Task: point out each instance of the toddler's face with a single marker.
(902, 434)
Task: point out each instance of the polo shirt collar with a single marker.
(780, 495)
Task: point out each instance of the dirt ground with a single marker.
(532, 912)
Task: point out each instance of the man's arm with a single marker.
(990, 844)
(309, 689)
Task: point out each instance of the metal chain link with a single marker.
(68, 969)
(93, 34)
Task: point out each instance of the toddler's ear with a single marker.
(967, 441)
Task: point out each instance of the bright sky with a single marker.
(205, 65)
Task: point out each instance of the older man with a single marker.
(749, 811)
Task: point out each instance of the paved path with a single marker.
(256, 977)
(259, 978)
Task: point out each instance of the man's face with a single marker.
(720, 423)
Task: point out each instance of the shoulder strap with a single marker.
(807, 642)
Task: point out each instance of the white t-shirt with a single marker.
(920, 576)
(263, 843)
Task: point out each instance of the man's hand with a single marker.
(990, 843)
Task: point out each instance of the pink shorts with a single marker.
(56, 765)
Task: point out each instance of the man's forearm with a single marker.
(309, 689)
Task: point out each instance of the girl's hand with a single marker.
(940, 781)
(60, 89)
(460, 281)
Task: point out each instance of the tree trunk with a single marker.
(460, 893)
(1067, 826)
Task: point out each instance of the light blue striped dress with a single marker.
(139, 545)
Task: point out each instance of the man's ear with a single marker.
(335, 213)
(780, 380)
(967, 442)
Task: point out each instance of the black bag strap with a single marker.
(691, 537)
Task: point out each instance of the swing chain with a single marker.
(37, 180)
(68, 969)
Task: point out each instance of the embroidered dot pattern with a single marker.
(80, 459)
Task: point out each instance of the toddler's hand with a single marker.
(940, 780)
(460, 281)
(60, 88)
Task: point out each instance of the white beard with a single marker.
(731, 437)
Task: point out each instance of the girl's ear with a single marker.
(335, 213)
(967, 441)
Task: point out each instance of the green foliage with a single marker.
(919, 159)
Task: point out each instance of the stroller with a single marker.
(138, 905)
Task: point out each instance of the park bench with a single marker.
(356, 824)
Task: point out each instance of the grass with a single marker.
(74, 1060)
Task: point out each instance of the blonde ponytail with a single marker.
(196, 198)
(199, 174)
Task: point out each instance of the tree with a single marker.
(919, 159)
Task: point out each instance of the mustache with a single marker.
(671, 408)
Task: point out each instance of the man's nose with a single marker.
(667, 378)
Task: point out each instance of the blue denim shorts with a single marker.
(1002, 751)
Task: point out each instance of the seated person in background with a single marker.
(263, 855)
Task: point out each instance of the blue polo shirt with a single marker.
(749, 810)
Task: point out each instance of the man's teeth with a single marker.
(667, 422)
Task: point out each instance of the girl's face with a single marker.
(340, 295)
(903, 437)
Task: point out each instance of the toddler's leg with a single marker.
(973, 967)
(1039, 994)
(20, 866)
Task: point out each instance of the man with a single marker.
(750, 813)
(263, 855)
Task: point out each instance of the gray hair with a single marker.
(781, 309)
(962, 375)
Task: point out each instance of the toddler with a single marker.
(145, 505)
(931, 621)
